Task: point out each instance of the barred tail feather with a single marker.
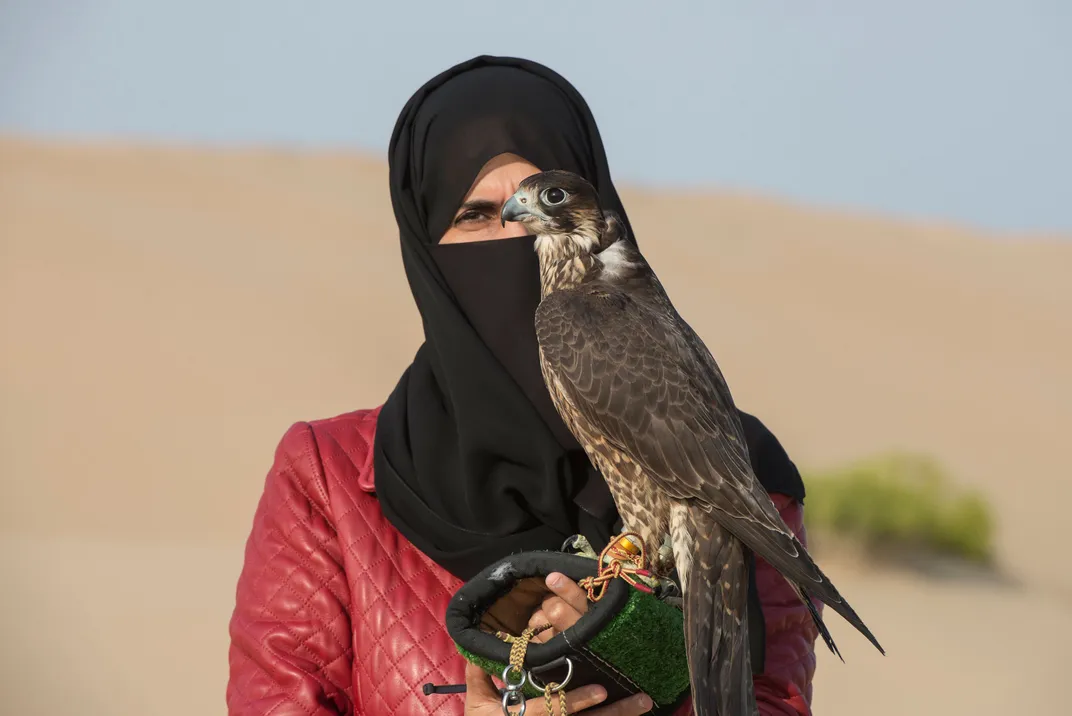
(716, 626)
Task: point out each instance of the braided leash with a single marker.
(547, 691)
(627, 559)
(519, 645)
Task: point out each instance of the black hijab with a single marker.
(471, 461)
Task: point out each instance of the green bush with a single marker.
(900, 503)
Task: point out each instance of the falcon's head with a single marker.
(557, 203)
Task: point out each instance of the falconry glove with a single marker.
(631, 638)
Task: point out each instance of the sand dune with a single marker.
(167, 313)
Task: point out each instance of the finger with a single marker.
(479, 686)
(583, 697)
(634, 705)
(560, 614)
(539, 618)
(569, 591)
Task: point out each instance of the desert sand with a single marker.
(168, 312)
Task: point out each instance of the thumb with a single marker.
(478, 685)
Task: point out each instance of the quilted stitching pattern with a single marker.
(338, 614)
(399, 597)
(291, 651)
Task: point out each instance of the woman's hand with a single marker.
(561, 610)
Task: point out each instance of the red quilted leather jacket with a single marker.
(337, 613)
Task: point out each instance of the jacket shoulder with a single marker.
(337, 448)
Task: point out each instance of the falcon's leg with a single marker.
(649, 517)
(644, 509)
(659, 555)
(660, 547)
(649, 530)
(663, 561)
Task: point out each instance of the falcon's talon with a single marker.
(663, 562)
(579, 544)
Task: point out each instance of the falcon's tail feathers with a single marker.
(791, 559)
(821, 625)
(824, 590)
(829, 596)
(716, 627)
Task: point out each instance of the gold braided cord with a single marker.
(550, 705)
(519, 645)
(627, 559)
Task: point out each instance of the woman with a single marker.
(371, 520)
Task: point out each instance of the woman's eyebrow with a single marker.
(477, 205)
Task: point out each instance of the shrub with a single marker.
(900, 503)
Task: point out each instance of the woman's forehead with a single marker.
(504, 161)
(466, 125)
(469, 123)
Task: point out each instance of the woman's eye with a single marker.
(553, 196)
(471, 215)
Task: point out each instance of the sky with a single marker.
(949, 110)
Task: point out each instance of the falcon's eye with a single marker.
(553, 196)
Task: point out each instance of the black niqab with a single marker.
(471, 460)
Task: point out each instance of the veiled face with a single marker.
(478, 217)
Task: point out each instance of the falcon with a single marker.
(645, 398)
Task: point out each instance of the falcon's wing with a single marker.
(636, 377)
(639, 374)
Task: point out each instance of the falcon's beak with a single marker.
(513, 210)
